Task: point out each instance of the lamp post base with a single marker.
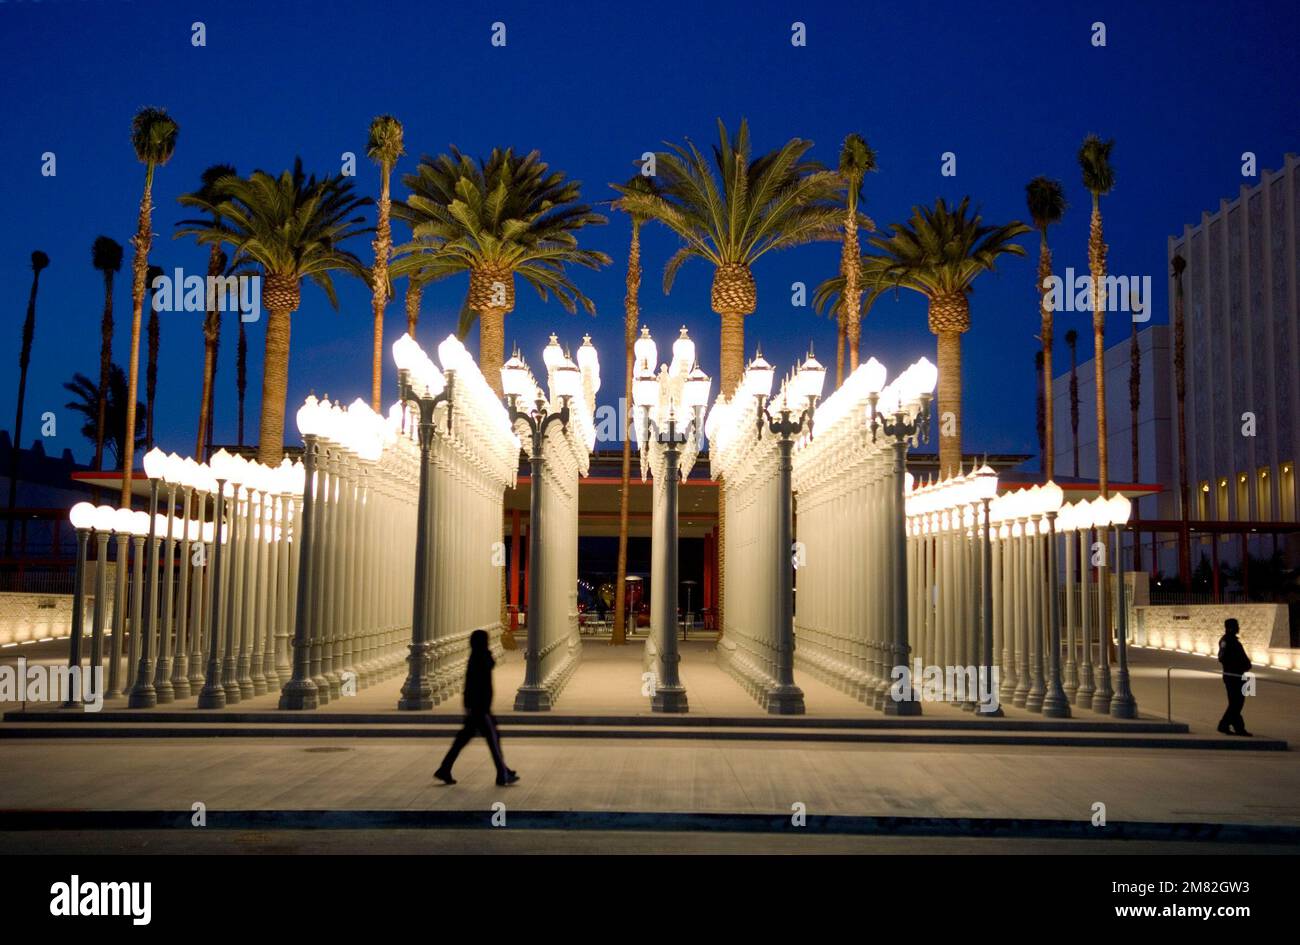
(1056, 706)
(214, 698)
(669, 699)
(299, 694)
(1123, 707)
(785, 700)
(532, 699)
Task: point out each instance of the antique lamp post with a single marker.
(793, 407)
(902, 412)
(1123, 705)
(421, 385)
(518, 384)
(657, 399)
(82, 516)
(143, 693)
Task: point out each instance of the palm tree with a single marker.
(111, 432)
(1072, 339)
(857, 159)
(39, 262)
(1046, 200)
(153, 135)
(733, 216)
(938, 253)
(206, 198)
(106, 256)
(752, 206)
(1179, 264)
(639, 184)
(411, 301)
(290, 228)
(1099, 179)
(495, 219)
(827, 297)
(151, 371)
(384, 147)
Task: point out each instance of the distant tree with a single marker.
(112, 432)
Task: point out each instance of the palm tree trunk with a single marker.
(733, 369)
(840, 335)
(211, 335)
(414, 291)
(142, 240)
(1097, 265)
(631, 313)
(851, 302)
(105, 364)
(24, 359)
(949, 364)
(491, 345)
(383, 243)
(151, 376)
(275, 385)
(1045, 309)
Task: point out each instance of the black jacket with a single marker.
(1232, 655)
(478, 682)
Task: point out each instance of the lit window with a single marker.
(1203, 501)
(1286, 493)
(1221, 501)
(1263, 495)
(1243, 497)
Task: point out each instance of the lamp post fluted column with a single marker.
(532, 695)
(1123, 705)
(417, 690)
(213, 693)
(143, 695)
(669, 693)
(989, 686)
(300, 691)
(1055, 703)
(119, 612)
(163, 670)
(78, 612)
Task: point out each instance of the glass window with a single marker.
(1243, 497)
(1203, 501)
(1286, 493)
(1222, 500)
(1263, 495)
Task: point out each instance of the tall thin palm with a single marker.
(151, 368)
(1046, 200)
(384, 147)
(290, 227)
(495, 218)
(857, 160)
(1099, 179)
(39, 261)
(112, 430)
(939, 252)
(734, 210)
(153, 135)
(106, 256)
(639, 184)
(207, 198)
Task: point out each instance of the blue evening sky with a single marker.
(1011, 88)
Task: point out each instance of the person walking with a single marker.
(1235, 663)
(478, 713)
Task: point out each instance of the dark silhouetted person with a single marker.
(478, 712)
(1235, 662)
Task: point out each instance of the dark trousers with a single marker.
(1236, 702)
(477, 723)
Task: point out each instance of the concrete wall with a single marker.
(1265, 630)
(30, 617)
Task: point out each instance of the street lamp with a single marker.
(518, 383)
(657, 400)
(421, 385)
(1055, 704)
(1123, 705)
(123, 525)
(1101, 513)
(143, 694)
(983, 488)
(82, 516)
(799, 393)
(902, 412)
(213, 693)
